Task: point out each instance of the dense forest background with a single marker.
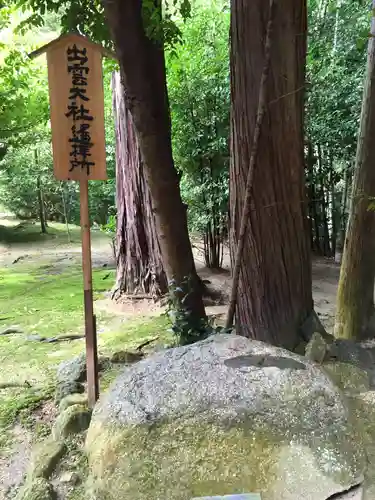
(199, 92)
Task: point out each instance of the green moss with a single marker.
(38, 489)
(45, 458)
(73, 399)
(179, 460)
(20, 400)
(362, 411)
(73, 420)
(28, 233)
(50, 304)
(44, 297)
(75, 461)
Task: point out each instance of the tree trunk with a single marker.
(355, 298)
(138, 258)
(42, 215)
(143, 70)
(274, 296)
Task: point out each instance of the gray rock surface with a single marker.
(64, 389)
(226, 414)
(74, 370)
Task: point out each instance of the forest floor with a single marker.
(41, 297)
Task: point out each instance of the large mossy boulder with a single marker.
(222, 416)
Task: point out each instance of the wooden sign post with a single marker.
(75, 83)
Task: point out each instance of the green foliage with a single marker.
(23, 97)
(25, 132)
(198, 84)
(184, 327)
(336, 65)
(87, 17)
(110, 227)
(336, 62)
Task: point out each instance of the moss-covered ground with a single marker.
(41, 295)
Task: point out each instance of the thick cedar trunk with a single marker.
(143, 71)
(355, 298)
(138, 258)
(274, 296)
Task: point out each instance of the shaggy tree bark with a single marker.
(274, 296)
(138, 258)
(143, 70)
(355, 298)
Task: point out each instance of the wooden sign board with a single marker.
(75, 82)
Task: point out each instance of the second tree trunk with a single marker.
(355, 299)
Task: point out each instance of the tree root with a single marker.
(10, 331)
(54, 340)
(9, 385)
(146, 343)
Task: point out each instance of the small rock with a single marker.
(70, 477)
(37, 489)
(73, 399)
(126, 357)
(316, 349)
(64, 389)
(73, 420)
(35, 338)
(74, 370)
(45, 458)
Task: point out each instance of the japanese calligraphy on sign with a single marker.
(77, 109)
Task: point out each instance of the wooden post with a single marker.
(90, 327)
